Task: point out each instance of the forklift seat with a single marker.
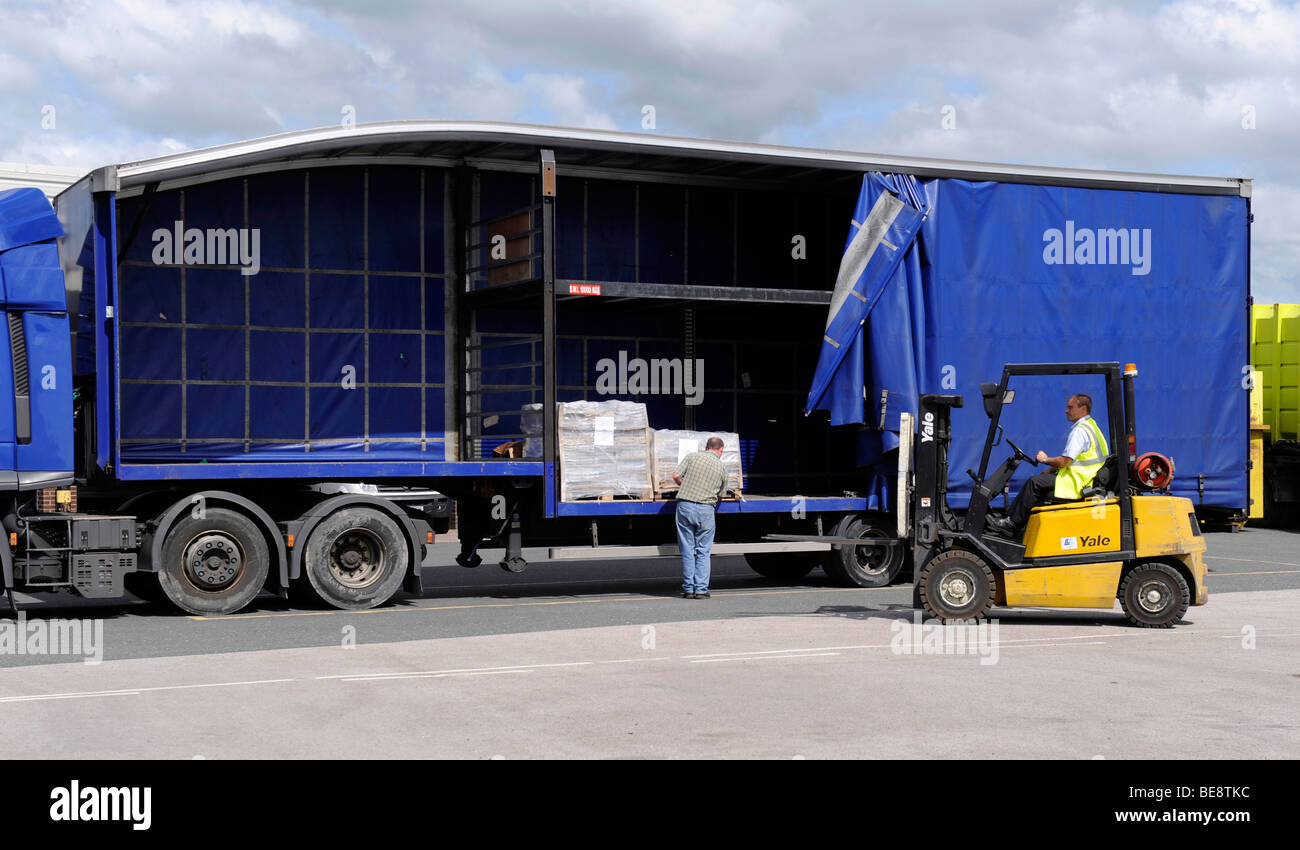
(1103, 484)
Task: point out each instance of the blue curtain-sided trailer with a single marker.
(261, 327)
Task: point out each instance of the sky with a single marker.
(1184, 87)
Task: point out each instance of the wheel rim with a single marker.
(957, 588)
(214, 561)
(357, 558)
(1153, 596)
(873, 560)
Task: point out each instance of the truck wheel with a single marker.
(1154, 596)
(355, 558)
(957, 585)
(144, 585)
(863, 566)
(214, 565)
(783, 566)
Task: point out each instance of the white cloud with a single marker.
(1142, 86)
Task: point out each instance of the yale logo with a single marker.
(927, 428)
(1085, 542)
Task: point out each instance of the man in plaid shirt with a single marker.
(702, 480)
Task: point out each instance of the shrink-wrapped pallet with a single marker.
(530, 421)
(604, 448)
(671, 446)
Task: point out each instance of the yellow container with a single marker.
(1275, 350)
(1256, 475)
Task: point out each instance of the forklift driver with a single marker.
(1085, 451)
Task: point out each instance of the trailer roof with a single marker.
(608, 153)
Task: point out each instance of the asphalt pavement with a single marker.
(849, 679)
(560, 595)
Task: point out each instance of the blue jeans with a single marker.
(695, 528)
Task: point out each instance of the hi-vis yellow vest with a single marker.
(1071, 480)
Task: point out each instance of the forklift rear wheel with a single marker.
(783, 566)
(864, 566)
(957, 585)
(1154, 596)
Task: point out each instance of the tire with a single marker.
(144, 585)
(957, 585)
(1154, 596)
(783, 566)
(355, 558)
(864, 566)
(214, 565)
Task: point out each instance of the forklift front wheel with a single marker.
(1154, 596)
(957, 585)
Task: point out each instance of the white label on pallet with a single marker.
(603, 435)
(687, 447)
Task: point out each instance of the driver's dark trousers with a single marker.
(1036, 489)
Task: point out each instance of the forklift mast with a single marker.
(930, 500)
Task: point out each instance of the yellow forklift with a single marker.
(1127, 538)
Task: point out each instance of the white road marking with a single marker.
(762, 657)
(753, 655)
(436, 676)
(356, 676)
(1036, 645)
(137, 691)
(890, 645)
(776, 651)
(40, 697)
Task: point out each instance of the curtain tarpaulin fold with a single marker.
(884, 228)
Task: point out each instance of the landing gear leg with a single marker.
(514, 560)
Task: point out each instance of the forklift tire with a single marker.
(957, 585)
(215, 564)
(783, 566)
(863, 566)
(1154, 596)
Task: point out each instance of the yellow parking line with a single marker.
(524, 604)
(1249, 560)
(1259, 573)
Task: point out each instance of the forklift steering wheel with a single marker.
(1021, 454)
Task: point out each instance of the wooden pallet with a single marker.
(667, 495)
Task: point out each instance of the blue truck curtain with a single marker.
(1015, 273)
